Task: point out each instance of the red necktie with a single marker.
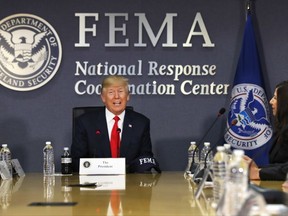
(115, 139)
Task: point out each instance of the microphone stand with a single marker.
(198, 176)
(207, 171)
(220, 113)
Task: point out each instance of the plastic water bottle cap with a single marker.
(238, 152)
(193, 143)
(4, 145)
(48, 143)
(207, 143)
(220, 148)
(66, 148)
(227, 146)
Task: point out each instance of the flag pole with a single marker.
(248, 7)
(246, 104)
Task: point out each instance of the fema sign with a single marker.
(248, 107)
(30, 52)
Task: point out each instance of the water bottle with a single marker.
(236, 187)
(66, 162)
(190, 156)
(5, 155)
(48, 163)
(228, 152)
(219, 173)
(196, 159)
(204, 152)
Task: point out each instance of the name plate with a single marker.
(102, 166)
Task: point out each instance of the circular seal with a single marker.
(86, 164)
(30, 52)
(249, 107)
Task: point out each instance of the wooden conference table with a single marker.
(168, 193)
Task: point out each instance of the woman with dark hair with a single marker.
(278, 155)
(279, 102)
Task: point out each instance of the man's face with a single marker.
(115, 98)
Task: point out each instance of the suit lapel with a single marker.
(126, 134)
(104, 138)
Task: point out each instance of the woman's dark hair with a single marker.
(281, 118)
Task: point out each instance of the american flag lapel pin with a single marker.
(130, 125)
(98, 132)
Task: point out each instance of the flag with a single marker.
(249, 105)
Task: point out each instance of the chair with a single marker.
(77, 111)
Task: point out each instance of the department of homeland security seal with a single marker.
(249, 107)
(30, 52)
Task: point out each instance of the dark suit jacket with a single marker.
(274, 172)
(91, 138)
(279, 150)
(278, 158)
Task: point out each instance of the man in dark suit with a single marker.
(93, 130)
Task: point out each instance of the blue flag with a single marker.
(249, 105)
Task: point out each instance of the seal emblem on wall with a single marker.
(249, 107)
(30, 52)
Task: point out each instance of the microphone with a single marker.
(233, 122)
(118, 144)
(220, 113)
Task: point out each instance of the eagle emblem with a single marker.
(22, 51)
(30, 52)
(249, 107)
